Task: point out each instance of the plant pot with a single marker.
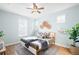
(73, 44)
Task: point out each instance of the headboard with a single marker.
(46, 35)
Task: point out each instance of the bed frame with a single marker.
(34, 49)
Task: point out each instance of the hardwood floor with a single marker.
(10, 50)
(61, 50)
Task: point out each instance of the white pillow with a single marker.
(31, 37)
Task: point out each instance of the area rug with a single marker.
(20, 50)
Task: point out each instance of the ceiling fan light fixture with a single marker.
(35, 8)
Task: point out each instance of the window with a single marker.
(61, 19)
(22, 27)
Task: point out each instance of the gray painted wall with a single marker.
(9, 24)
(72, 17)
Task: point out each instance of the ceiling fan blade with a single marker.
(41, 8)
(29, 8)
(34, 5)
(38, 11)
(32, 11)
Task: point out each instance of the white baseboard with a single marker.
(13, 43)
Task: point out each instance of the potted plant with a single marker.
(1, 35)
(73, 33)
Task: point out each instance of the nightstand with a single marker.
(52, 38)
(2, 48)
(50, 41)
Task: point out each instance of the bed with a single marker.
(34, 44)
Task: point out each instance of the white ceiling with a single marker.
(20, 8)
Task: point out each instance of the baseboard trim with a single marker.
(13, 43)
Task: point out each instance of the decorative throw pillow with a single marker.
(43, 35)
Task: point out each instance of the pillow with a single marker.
(43, 35)
(31, 37)
(39, 35)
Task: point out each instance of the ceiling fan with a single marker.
(35, 8)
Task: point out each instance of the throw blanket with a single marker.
(43, 43)
(27, 42)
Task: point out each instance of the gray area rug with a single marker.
(20, 50)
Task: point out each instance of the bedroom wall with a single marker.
(71, 16)
(9, 24)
